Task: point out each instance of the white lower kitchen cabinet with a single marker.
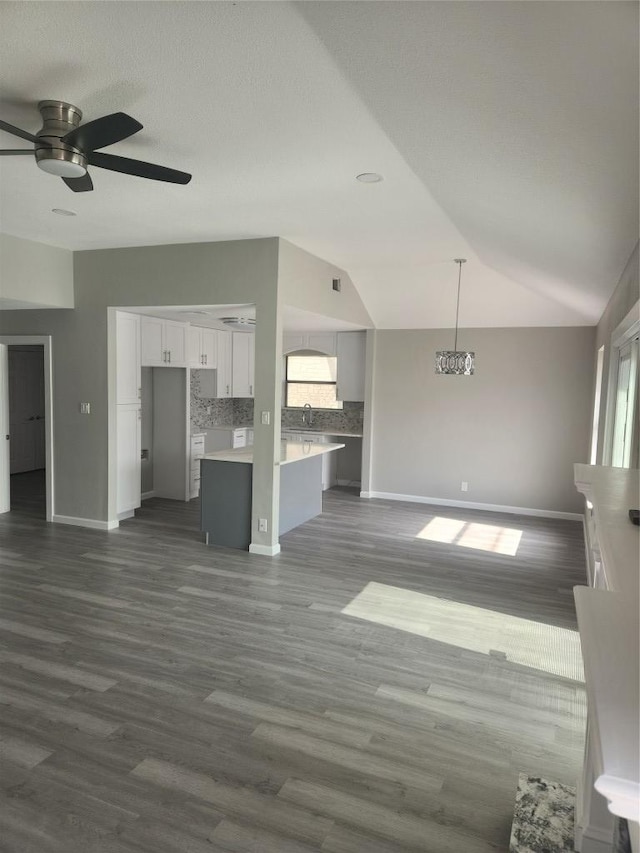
(128, 418)
(197, 452)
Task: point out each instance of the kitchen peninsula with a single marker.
(226, 490)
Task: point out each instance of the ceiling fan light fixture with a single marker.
(456, 362)
(62, 168)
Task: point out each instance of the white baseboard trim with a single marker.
(514, 510)
(146, 495)
(264, 550)
(128, 513)
(354, 483)
(91, 523)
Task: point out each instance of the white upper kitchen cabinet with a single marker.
(209, 343)
(243, 355)
(223, 388)
(202, 348)
(163, 342)
(128, 381)
(351, 348)
(175, 343)
(324, 342)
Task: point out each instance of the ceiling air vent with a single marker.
(336, 284)
(239, 324)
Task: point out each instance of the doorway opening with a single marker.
(26, 475)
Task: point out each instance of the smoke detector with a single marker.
(239, 324)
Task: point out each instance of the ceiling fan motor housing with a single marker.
(57, 158)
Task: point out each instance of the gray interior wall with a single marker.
(79, 355)
(35, 273)
(512, 430)
(624, 297)
(211, 273)
(305, 281)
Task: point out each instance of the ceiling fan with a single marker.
(64, 147)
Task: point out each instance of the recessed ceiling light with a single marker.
(62, 212)
(369, 178)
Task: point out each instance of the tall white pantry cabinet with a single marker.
(128, 412)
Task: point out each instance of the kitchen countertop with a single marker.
(290, 451)
(341, 433)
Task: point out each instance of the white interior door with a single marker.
(4, 430)
(26, 396)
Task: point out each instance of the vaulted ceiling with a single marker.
(506, 133)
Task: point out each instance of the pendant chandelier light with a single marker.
(455, 361)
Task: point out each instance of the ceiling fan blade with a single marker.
(138, 168)
(16, 131)
(102, 132)
(16, 151)
(80, 185)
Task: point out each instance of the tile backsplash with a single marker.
(347, 419)
(210, 412)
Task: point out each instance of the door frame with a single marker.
(45, 342)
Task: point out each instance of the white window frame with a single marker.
(623, 334)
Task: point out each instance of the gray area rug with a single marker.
(543, 817)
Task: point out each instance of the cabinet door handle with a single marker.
(164, 355)
(227, 390)
(251, 390)
(169, 354)
(206, 359)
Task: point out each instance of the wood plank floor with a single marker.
(158, 695)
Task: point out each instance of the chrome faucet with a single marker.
(307, 414)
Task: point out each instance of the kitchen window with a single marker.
(311, 379)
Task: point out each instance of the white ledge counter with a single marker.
(226, 490)
(610, 637)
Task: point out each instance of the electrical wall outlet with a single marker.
(464, 486)
(262, 525)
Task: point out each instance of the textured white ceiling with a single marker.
(506, 133)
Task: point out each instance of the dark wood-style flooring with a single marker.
(160, 696)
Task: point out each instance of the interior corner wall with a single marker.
(512, 431)
(623, 299)
(35, 274)
(305, 281)
(79, 352)
(228, 272)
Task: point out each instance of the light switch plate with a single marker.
(85, 408)
(265, 418)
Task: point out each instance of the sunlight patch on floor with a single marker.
(467, 534)
(477, 629)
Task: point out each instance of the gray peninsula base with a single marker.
(225, 499)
